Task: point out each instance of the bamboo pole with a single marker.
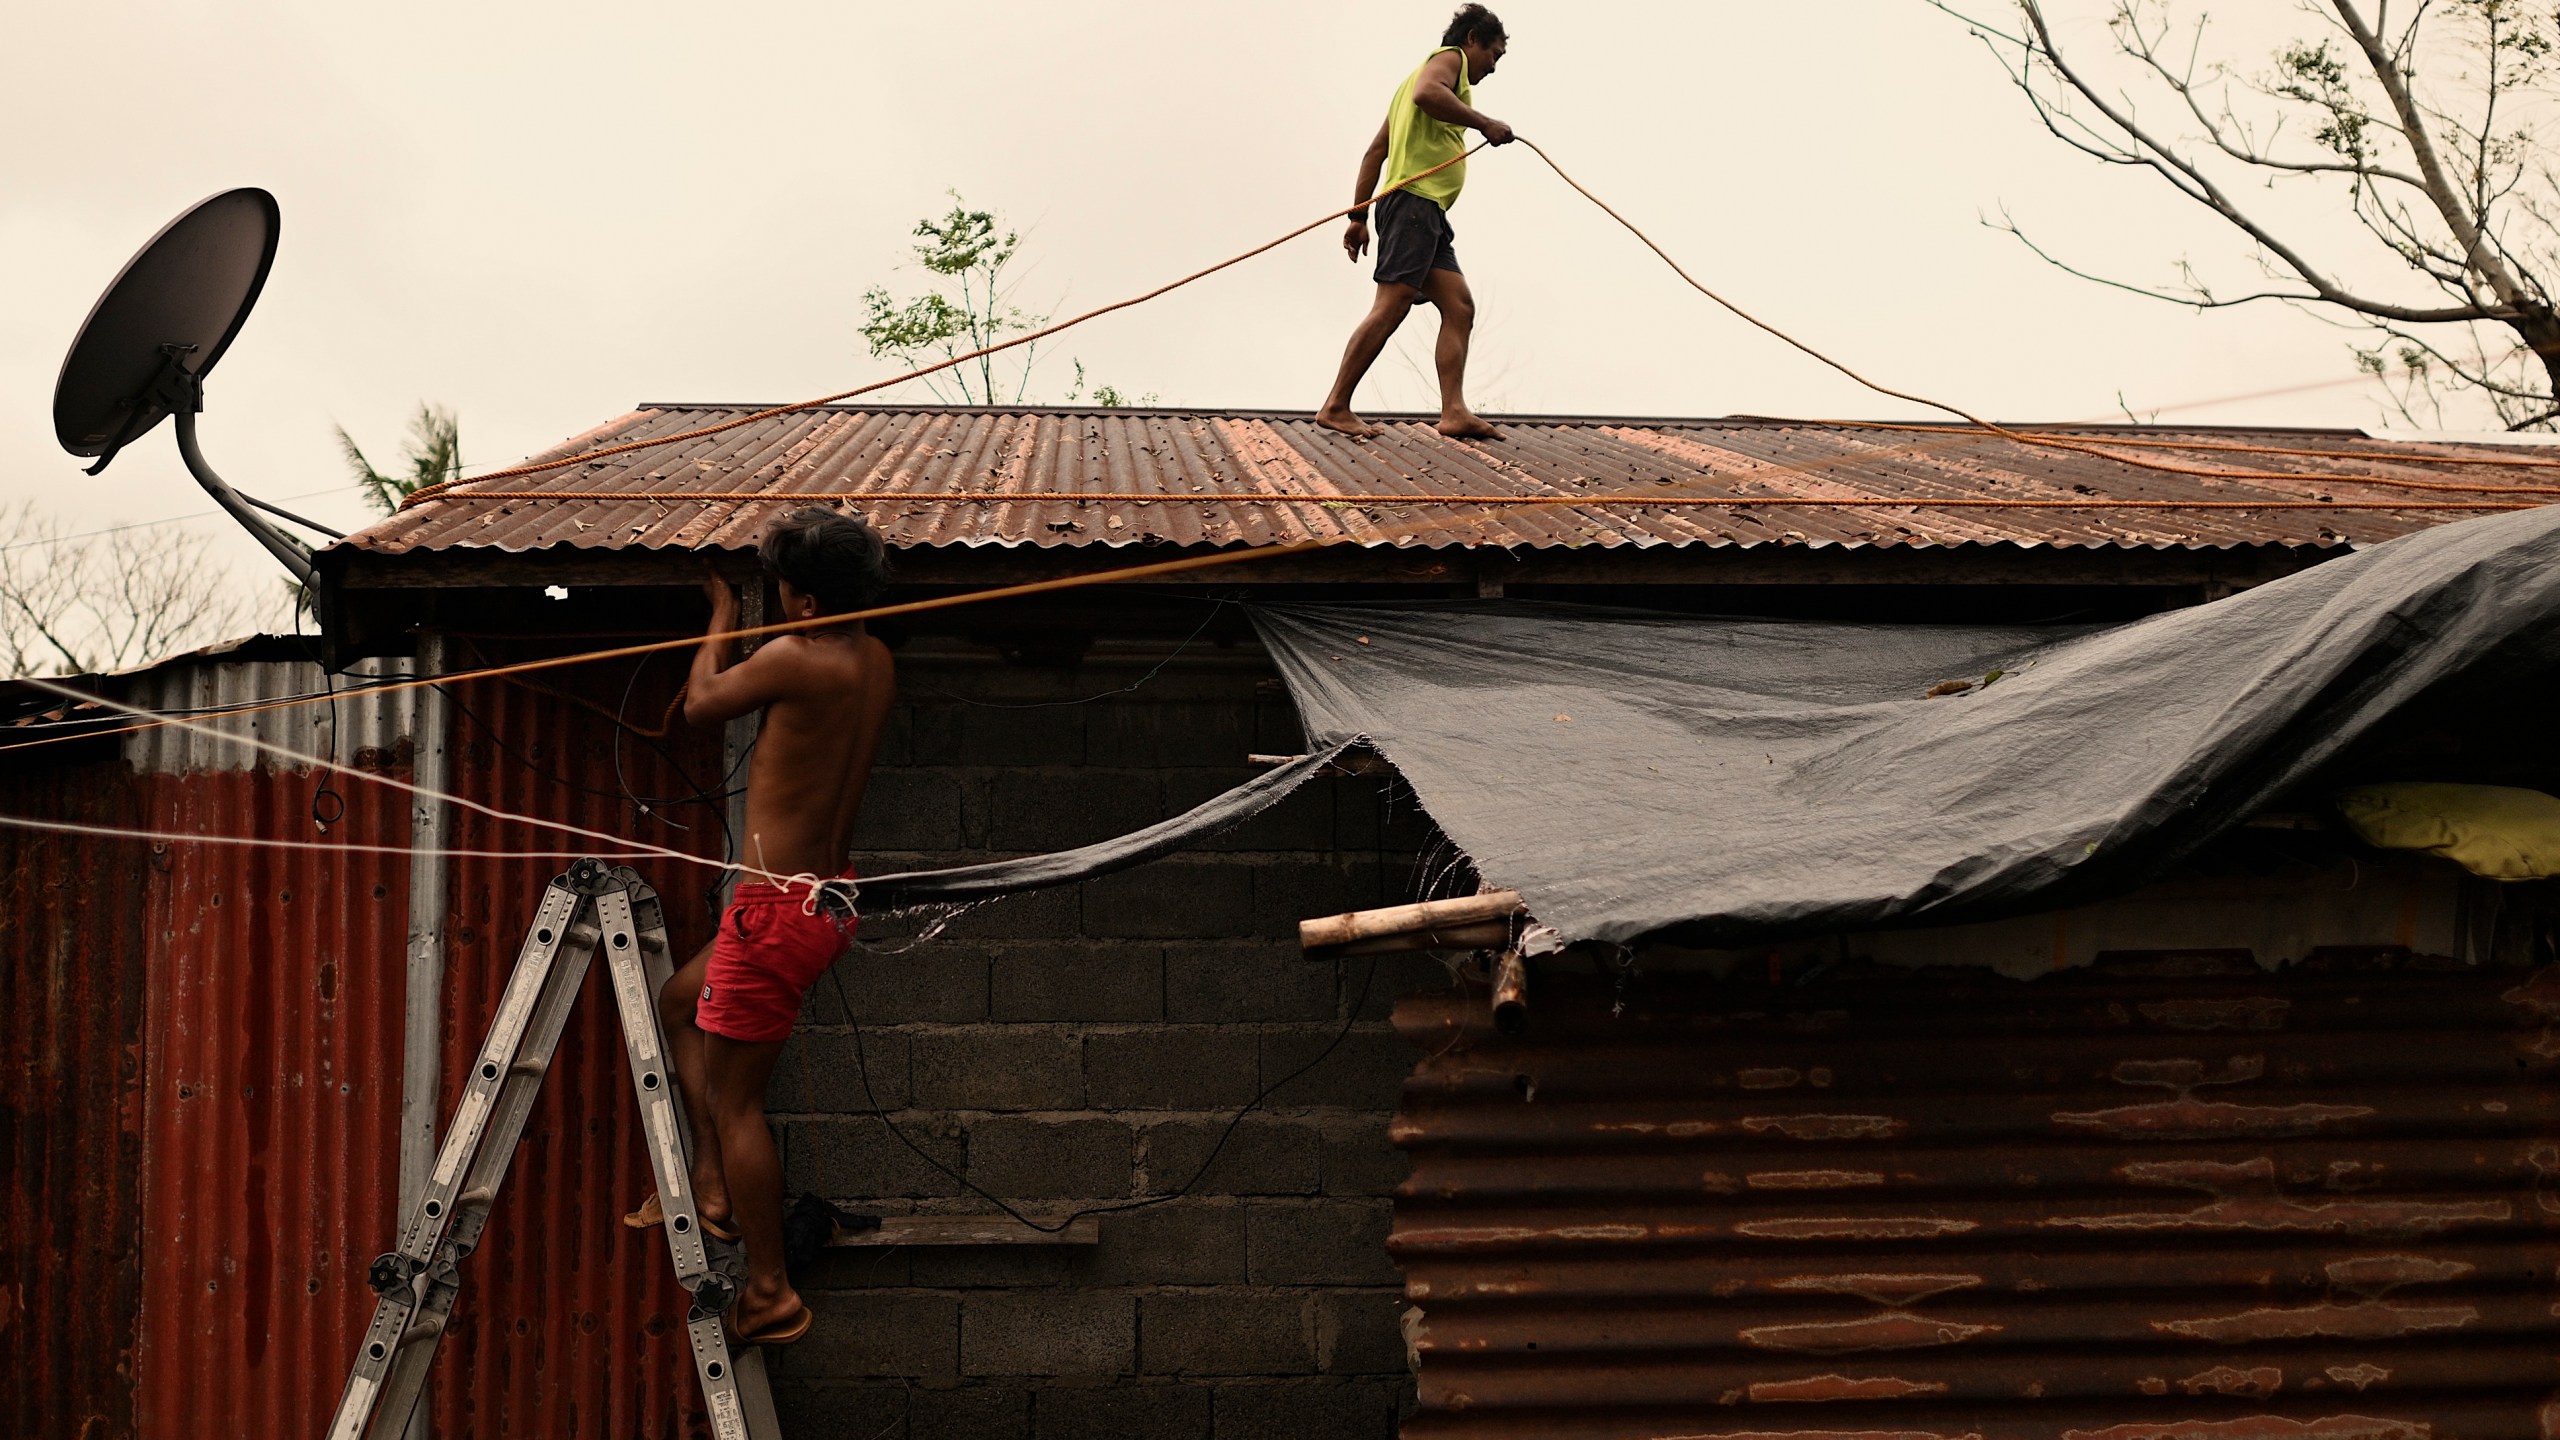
(1510, 993)
(1472, 914)
(1482, 935)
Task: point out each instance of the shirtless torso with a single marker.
(825, 697)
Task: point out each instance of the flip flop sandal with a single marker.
(653, 1213)
(781, 1331)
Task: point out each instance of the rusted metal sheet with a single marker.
(71, 1003)
(2322, 1204)
(272, 1089)
(570, 1324)
(1210, 479)
(203, 1065)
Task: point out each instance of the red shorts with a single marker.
(773, 945)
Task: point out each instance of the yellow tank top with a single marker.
(1416, 141)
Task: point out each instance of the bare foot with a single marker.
(1466, 425)
(1339, 417)
(776, 1317)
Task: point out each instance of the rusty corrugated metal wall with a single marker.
(2322, 1204)
(271, 1100)
(198, 1110)
(570, 1324)
(71, 1003)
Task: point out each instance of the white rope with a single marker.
(179, 837)
(635, 848)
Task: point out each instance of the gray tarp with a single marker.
(1741, 781)
(971, 884)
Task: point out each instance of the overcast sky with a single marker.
(542, 214)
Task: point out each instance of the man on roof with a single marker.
(1426, 126)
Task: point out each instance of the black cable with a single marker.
(621, 723)
(188, 712)
(862, 1063)
(498, 738)
(328, 807)
(647, 803)
(729, 848)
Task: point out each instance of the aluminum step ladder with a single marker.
(593, 906)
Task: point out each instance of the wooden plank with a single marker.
(950, 1230)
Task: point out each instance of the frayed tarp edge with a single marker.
(970, 884)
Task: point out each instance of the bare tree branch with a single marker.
(2193, 181)
(2198, 299)
(102, 602)
(2464, 224)
(2408, 109)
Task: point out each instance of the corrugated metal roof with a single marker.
(1254, 478)
(2316, 1205)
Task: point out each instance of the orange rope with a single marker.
(2396, 457)
(2022, 437)
(437, 491)
(1809, 502)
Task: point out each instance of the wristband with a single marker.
(1359, 216)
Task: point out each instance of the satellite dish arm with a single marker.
(284, 547)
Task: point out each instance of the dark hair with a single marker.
(1473, 22)
(837, 559)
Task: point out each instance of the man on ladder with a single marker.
(824, 694)
(1426, 126)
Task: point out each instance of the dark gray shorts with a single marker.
(1413, 238)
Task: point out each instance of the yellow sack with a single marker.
(2498, 831)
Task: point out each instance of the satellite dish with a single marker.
(182, 298)
(148, 343)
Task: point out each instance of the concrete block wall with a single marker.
(1089, 1046)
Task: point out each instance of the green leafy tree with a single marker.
(968, 307)
(2424, 118)
(432, 453)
